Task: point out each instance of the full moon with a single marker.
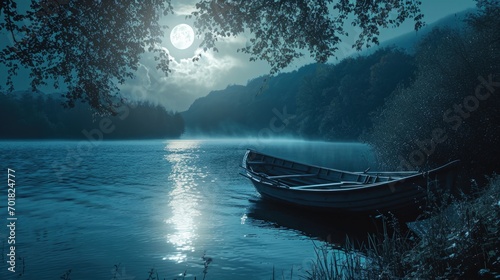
(182, 36)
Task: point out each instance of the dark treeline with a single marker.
(450, 110)
(417, 109)
(263, 104)
(34, 115)
(332, 102)
(338, 102)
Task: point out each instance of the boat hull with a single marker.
(404, 196)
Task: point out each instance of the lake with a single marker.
(121, 208)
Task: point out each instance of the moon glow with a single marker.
(182, 36)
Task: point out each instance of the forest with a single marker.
(329, 102)
(35, 115)
(418, 108)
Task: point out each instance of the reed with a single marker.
(336, 263)
(460, 240)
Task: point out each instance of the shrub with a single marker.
(458, 241)
(450, 110)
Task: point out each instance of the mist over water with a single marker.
(350, 156)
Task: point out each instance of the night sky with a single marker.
(191, 80)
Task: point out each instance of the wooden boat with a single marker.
(403, 194)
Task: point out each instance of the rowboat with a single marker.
(403, 194)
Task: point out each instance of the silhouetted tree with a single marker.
(93, 46)
(282, 30)
(450, 111)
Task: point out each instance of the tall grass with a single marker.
(336, 263)
(152, 274)
(461, 240)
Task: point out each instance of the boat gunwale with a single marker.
(339, 188)
(303, 188)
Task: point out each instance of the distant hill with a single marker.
(256, 108)
(246, 110)
(408, 41)
(316, 101)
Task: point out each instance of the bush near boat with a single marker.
(449, 111)
(460, 241)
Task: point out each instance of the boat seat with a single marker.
(257, 162)
(339, 184)
(291, 176)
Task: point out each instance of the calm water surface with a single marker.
(157, 204)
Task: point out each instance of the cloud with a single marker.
(184, 9)
(206, 72)
(188, 80)
(191, 80)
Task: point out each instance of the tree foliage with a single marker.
(283, 30)
(319, 101)
(93, 46)
(450, 111)
(90, 46)
(338, 102)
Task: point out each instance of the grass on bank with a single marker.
(461, 240)
(152, 274)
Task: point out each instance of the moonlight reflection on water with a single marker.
(183, 198)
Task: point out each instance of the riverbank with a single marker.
(460, 241)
